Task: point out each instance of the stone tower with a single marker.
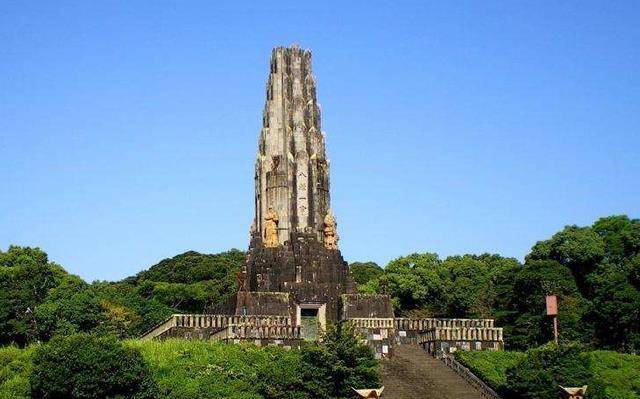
(292, 172)
(293, 252)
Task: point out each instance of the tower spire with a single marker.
(292, 172)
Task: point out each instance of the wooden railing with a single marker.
(462, 371)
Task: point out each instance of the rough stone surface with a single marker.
(262, 303)
(304, 268)
(292, 171)
(366, 306)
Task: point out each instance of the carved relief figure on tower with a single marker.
(330, 231)
(271, 229)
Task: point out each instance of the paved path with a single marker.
(413, 374)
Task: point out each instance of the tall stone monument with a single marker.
(295, 280)
(294, 239)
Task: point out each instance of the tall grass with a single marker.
(202, 369)
(490, 366)
(615, 375)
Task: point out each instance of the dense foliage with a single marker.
(615, 375)
(26, 277)
(339, 363)
(491, 366)
(92, 367)
(363, 272)
(594, 271)
(207, 370)
(15, 369)
(39, 299)
(538, 372)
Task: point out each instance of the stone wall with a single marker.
(303, 268)
(446, 339)
(260, 303)
(378, 333)
(366, 306)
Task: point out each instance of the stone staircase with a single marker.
(414, 374)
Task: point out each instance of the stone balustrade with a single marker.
(217, 321)
(363, 322)
(461, 334)
(263, 332)
(406, 324)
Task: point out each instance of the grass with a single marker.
(201, 369)
(490, 366)
(615, 375)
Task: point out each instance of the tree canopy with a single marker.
(594, 270)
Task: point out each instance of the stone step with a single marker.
(412, 373)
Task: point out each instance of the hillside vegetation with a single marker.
(594, 270)
(98, 366)
(536, 374)
(39, 299)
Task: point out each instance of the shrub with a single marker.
(89, 366)
(541, 370)
(216, 370)
(339, 363)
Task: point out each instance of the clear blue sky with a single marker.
(128, 129)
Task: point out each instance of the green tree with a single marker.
(191, 267)
(363, 272)
(89, 366)
(418, 282)
(578, 248)
(128, 313)
(338, 364)
(615, 310)
(476, 283)
(529, 325)
(26, 276)
(621, 236)
(70, 307)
